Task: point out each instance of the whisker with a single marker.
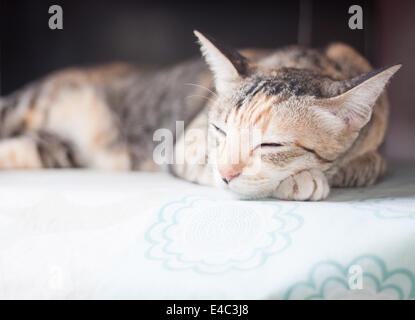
(200, 86)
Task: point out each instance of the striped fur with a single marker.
(322, 116)
(320, 119)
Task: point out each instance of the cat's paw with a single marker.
(305, 185)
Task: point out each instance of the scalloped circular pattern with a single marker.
(330, 280)
(214, 237)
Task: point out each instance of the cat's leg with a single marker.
(67, 109)
(44, 149)
(305, 185)
(314, 185)
(81, 115)
(35, 150)
(359, 172)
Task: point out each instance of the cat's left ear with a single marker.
(227, 64)
(356, 97)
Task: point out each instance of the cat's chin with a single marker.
(244, 191)
(251, 197)
(249, 193)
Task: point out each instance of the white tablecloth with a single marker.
(85, 234)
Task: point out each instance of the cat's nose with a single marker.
(228, 173)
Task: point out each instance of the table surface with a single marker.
(88, 234)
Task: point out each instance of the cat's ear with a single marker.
(356, 97)
(227, 64)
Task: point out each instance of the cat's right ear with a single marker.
(357, 98)
(227, 64)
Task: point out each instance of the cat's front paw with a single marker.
(305, 185)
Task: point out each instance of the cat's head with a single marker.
(305, 120)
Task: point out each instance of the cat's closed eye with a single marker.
(268, 145)
(265, 145)
(219, 129)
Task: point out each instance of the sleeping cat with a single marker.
(321, 117)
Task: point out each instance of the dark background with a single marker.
(160, 33)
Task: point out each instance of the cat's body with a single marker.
(106, 117)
